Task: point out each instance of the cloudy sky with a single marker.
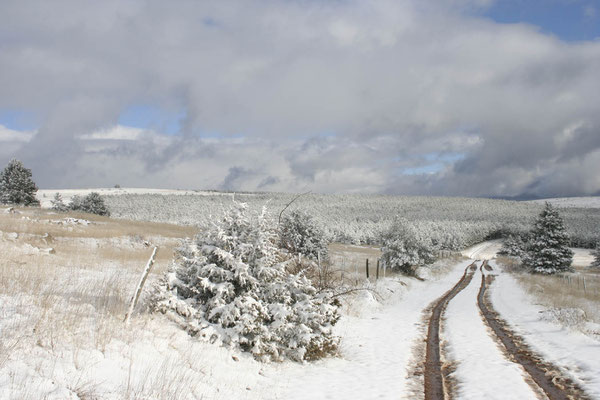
(442, 97)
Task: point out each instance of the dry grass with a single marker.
(566, 291)
(76, 297)
(348, 262)
(36, 221)
(116, 242)
(91, 275)
(579, 290)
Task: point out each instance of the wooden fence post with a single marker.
(367, 268)
(140, 285)
(377, 270)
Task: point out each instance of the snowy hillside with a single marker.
(46, 195)
(572, 202)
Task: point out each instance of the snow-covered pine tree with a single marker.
(405, 247)
(75, 204)
(58, 204)
(17, 186)
(300, 234)
(547, 251)
(596, 254)
(513, 246)
(231, 285)
(93, 203)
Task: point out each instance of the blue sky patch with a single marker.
(147, 116)
(570, 20)
(18, 120)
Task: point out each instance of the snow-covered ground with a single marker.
(582, 257)
(579, 202)
(577, 354)
(488, 250)
(483, 251)
(45, 196)
(63, 337)
(482, 370)
(376, 349)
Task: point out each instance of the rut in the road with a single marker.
(547, 376)
(434, 380)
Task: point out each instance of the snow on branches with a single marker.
(300, 234)
(404, 247)
(93, 203)
(513, 246)
(17, 186)
(231, 285)
(547, 251)
(58, 203)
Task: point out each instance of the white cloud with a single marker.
(10, 135)
(118, 132)
(337, 96)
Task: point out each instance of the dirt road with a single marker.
(472, 353)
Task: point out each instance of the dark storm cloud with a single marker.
(322, 96)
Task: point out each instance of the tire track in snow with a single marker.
(434, 378)
(480, 369)
(546, 376)
(377, 355)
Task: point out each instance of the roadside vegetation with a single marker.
(542, 264)
(233, 284)
(574, 298)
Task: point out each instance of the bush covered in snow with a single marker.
(17, 186)
(547, 251)
(405, 247)
(232, 285)
(93, 203)
(300, 234)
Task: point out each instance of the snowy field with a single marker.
(572, 202)
(488, 249)
(67, 280)
(452, 223)
(45, 196)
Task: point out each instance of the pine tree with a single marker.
(596, 254)
(17, 186)
(93, 203)
(513, 246)
(58, 204)
(75, 204)
(231, 285)
(547, 251)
